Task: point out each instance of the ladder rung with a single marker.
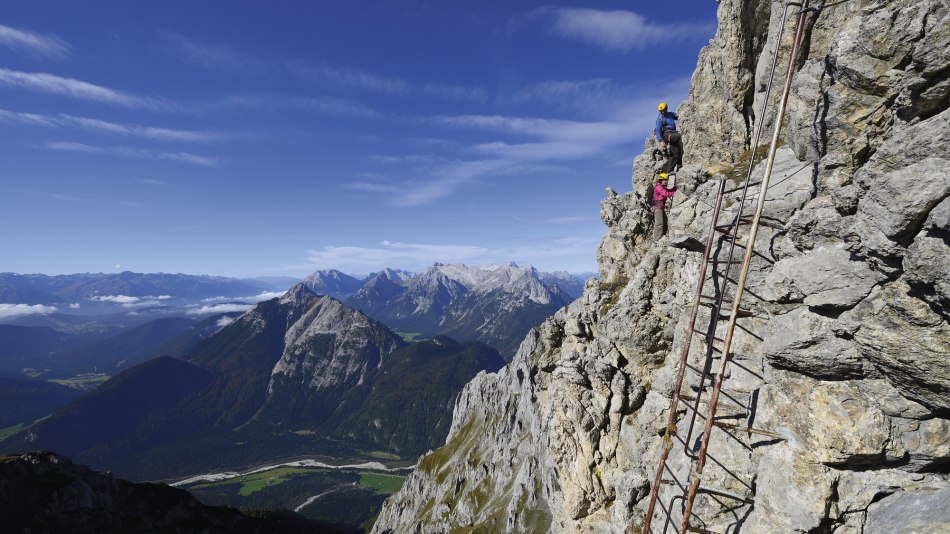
(727, 228)
(724, 314)
(724, 493)
(686, 399)
(740, 314)
(740, 188)
(707, 383)
(704, 334)
(690, 407)
(737, 428)
(723, 262)
(699, 530)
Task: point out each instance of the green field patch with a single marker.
(10, 430)
(383, 455)
(79, 380)
(412, 337)
(258, 481)
(388, 484)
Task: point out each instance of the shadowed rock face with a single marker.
(850, 332)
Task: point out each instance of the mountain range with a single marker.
(39, 289)
(299, 374)
(495, 304)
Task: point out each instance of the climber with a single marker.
(660, 196)
(667, 135)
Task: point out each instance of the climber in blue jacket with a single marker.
(667, 135)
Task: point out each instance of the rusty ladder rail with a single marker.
(716, 303)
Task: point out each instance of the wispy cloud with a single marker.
(266, 295)
(33, 44)
(575, 250)
(223, 57)
(325, 105)
(128, 301)
(538, 151)
(526, 145)
(124, 151)
(391, 254)
(565, 92)
(14, 310)
(69, 87)
(218, 308)
(596, 132)
(617, 31)
(64, 121)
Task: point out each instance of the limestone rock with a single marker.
(824, 277)
(905, 339)
(844, 358)
(807, 343)
(920, 512)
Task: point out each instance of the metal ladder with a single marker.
(686, 486)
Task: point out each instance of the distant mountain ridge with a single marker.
(36, 289)
(495, 304)
(293, 375)
(333, 283)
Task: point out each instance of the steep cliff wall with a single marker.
(846, 356)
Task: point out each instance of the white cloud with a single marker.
(224, 321)
(618, 31)
(130, 130)
(118, 299)
(611, 132)
(75, 306)
(266, 295)
(128, 301)
(32, 43)
(424, 193)
(181, 157)
(538, 151)
(78, 89)
(219, 308)
(14, 310)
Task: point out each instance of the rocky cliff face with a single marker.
(845, 357)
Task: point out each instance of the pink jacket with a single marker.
(661, 193)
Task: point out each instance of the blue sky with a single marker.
(248, 138)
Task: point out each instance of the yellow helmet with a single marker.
(662, 106)
(663, 176)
